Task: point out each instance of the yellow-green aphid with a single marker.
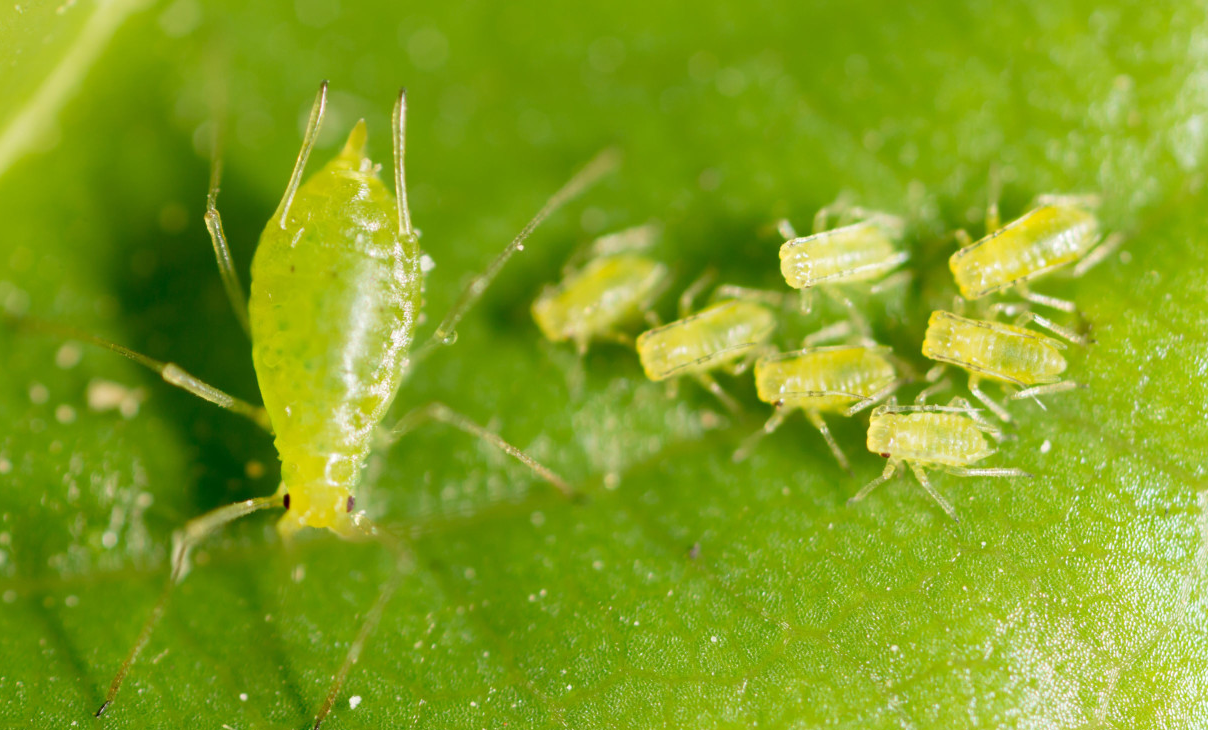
(616, 286)
(948, 438)
(843, 379)
(999, 352)
(335, 298)
(865, 249)
(1059, 231)
(729, 334)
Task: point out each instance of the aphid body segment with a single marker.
(334, 300)
(949, 438)
(841, 379)
(719, 335)
(996, 351)
(1048, 237)
(595, 300)
(861, 251)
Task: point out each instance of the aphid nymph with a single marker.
(843, 379)
(335, 301)
(1060, 230)
(1003, 353)
(727, 335)
(864, 249)
(949, 438)
(615, 286)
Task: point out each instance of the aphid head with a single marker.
(323, 507)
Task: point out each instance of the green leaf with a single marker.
(684, 590)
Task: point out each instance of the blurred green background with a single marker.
(1074, 600)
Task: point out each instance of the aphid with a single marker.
(1059, 231)
(865, 249)
(1000, 352)
(616, 286)
(335, 300)
(729, 334)
(843, 379)
(949, 438)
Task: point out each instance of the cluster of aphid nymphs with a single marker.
(616, 282)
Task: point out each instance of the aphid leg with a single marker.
(706, 380)
(446, 332)
(840, 206)
(853, 312)
(222, 252)
(638, 238)
(819, 423)
(741, 366)
(1099, 253)
(749, 443)
(1047, 389)
(894, 280)
(183, 541)
(937, 382)
(983, 424)
(688, 297)
(1064, 305)
(440, 412)
(172, 373)
(978, 393)
(399, 137)
(875, 398)
(786, 229)
(1069, 334)
(1080, 200)
(921, 475)
(958, 471)
(402, 563)
(308, 143)
(836, 331)
(806, 301)
(993, 194)
(890, 468)
(733, 291)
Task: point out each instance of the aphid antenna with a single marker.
(785, 228)
(993, 195)
(926, 408)
(637, 238)
(313, 124)
(1091, 201)
(445, 334)
(734, 291)
(875, 398)
(399, 135)
(222, 251)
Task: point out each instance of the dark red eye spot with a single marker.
(287, 501)
(884, 456)
(351, 502)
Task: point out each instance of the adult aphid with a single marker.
(616, 285)
(1060, 230)
(335, 301)
(949, 438)
(842, 379)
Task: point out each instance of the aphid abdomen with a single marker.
(605, 293)
(823, 379)
(334, 300)
(994, 350)
(853, 253)
(722, 333)
(1039, 241)
(950, 439)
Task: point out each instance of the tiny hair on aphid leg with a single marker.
(340, 219)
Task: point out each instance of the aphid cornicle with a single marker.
(1000, 352)
(616, 286)
(729, 334)
(843, 379)
(949, 438)
(1061, 230)
(335, 299)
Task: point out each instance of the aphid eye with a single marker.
(351, 502)
(286, 501)
(884, 456)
